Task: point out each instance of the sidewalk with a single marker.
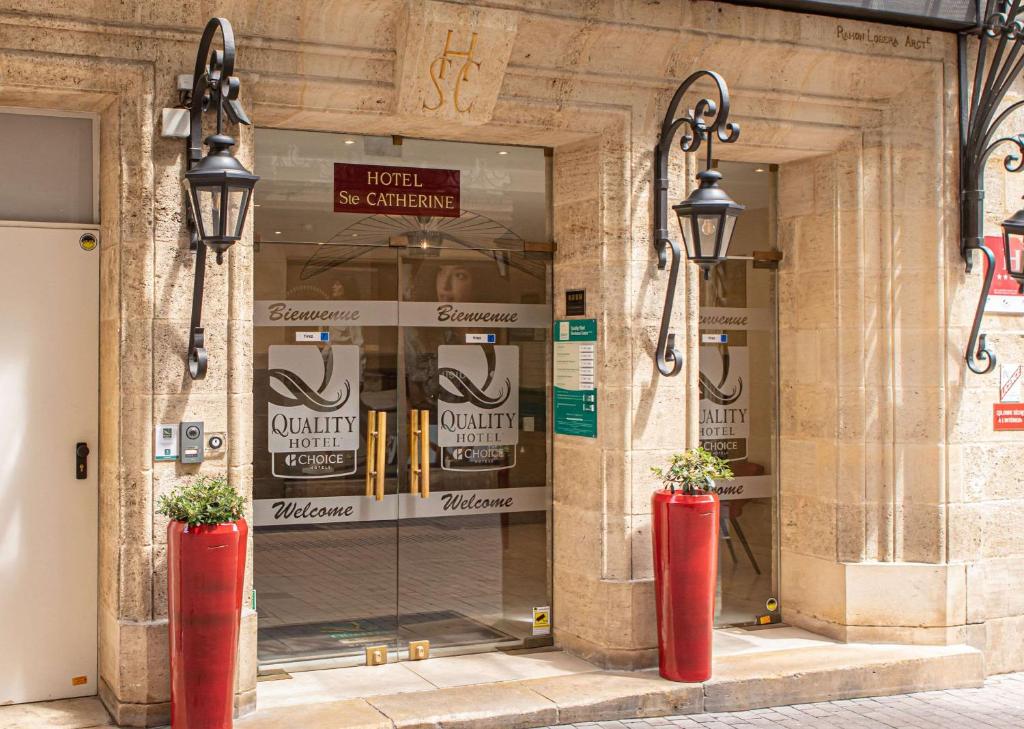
(999, 704)
(753, 669)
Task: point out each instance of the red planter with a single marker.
(205, 570)
(685, 570)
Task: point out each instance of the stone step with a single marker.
(743, 681)
(770, 678)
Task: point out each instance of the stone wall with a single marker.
(899, 505)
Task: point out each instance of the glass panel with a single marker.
(707, 226)
(325, 552)
(738, 403)
(504, 191)
(208, 202)
(730, 225)
(686, 227)
(237, 199)
(52, 159)
(474, 554)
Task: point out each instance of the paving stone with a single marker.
(999, 704)
(349, 714)
(611, 696)
(498, 706)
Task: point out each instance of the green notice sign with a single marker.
(575, 360)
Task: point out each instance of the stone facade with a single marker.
(900, 507)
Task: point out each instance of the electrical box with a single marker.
(192, 442)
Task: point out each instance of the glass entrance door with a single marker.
(400, 430)
(739, 401)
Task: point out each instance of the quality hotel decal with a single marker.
(313, 410)
(478, 406)
(724, 401)
(382, 190)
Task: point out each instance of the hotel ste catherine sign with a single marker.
(377, 189)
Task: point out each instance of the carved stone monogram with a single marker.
(440, 71)
(452, 60)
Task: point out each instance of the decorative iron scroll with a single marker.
(706, 121)
(999, 63)
(213, 85)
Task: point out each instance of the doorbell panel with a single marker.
(192, 442)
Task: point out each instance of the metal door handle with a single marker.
(414, 457)
(382, 449)
(424, 434)
(371, 451)
(81, 461)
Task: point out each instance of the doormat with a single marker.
(330, 639)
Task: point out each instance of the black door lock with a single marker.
(81, 462)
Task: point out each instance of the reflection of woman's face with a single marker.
(454, 283)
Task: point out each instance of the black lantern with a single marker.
(220, 189)
(1013, 229)
(707, 219)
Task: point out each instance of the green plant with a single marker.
(206, 500)
(694, 470)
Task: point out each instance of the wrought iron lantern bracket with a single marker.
(706, 121)
(1000, 60)
(214, 87)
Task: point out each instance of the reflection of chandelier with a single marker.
(469, 230)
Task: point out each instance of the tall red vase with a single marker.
(685, 572)
(205, 570)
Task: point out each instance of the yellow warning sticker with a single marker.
(542, 620)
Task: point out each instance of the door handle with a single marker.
(81, 461)
(424, 434)
(414, 447)
(382, 449)
(419, 452)
(371, 453)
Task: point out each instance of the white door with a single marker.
(49, 350)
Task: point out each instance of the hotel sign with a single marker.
(378, 189)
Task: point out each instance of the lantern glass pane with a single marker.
(730, 224)
(208, 214)
(708, 226)
(235, 210)
(686, 226)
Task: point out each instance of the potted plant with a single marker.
(685, 529)
(206, 545)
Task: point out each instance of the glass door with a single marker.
(739, 401)
(400, 427)
(473, 531)
(326, 431)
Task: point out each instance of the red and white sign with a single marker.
(378, 189)
(1008, 416)
(1005, 295)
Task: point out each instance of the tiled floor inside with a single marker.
(329, 590)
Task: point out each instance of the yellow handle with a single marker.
(371, 450)
(414, 441)
(424, 432)
(382, 444)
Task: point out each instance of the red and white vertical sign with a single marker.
(1008, 413)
